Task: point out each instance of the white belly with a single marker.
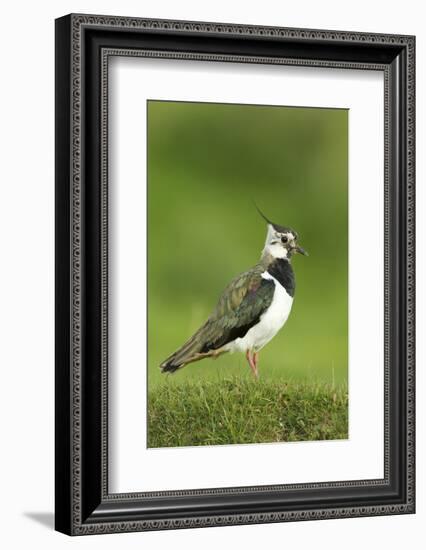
(270, 322)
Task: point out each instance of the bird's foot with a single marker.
(255, 361)
(252, 363)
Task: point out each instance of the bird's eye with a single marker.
(284, 239)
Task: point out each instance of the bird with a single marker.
(251, 310)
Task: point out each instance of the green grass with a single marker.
(235, 411)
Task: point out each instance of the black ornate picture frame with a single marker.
(84, 43)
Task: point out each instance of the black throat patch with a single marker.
(283, 272)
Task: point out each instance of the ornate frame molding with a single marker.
(73, 502)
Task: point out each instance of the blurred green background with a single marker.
(207, 163)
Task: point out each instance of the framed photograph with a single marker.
(234, 274)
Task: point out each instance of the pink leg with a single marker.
(252, 364)
(255, 361)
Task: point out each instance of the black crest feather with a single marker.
(277, 227)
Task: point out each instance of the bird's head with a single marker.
(281, 242)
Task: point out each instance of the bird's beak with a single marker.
(300, 250)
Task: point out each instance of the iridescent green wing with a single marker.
(239, 308)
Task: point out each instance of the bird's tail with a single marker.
(190, 351)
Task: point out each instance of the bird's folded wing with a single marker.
(239, 308)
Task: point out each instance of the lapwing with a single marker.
(252, 308)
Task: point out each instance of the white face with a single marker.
(279, 244)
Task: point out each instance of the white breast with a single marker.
(270, 322)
